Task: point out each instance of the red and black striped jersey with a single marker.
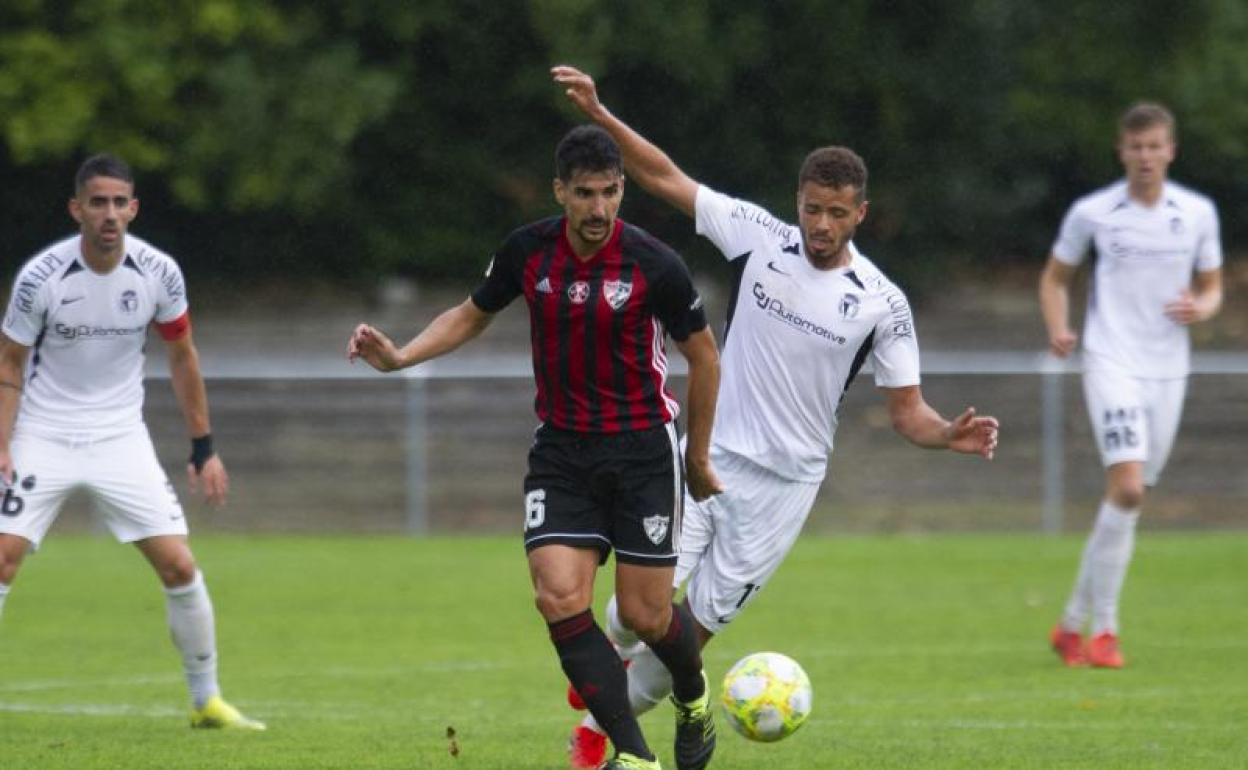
(597, 324)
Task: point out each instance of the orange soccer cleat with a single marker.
(1103, 651)
(1069, 646)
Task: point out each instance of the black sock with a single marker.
(597, 673)
(678, 649)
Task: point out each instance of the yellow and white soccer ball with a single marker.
(766, 696)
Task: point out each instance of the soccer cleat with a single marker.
(1103, 651)
(587, 749)
(1069, 646)
(630, 762)
(217, 714)
(695, 731)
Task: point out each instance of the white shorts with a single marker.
(1133, 419)
(732, 543)
(128, 487)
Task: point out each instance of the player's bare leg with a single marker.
(563, 582)
(643, 597)
(193, 629)
(13, 549)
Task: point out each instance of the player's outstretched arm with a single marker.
(643, 161)
(1055, 306)
(913, 418)
(12, 368)
(448, 331)
(205, 472)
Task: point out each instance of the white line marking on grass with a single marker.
(91, 709)
(75, 684)
(1081, 725)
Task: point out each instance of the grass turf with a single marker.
(924, 652)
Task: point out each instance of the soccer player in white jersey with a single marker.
(807, 311)
(71, 399)
(1158, 270)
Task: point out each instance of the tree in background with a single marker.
(348, 140)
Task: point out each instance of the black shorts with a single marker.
(604, 491)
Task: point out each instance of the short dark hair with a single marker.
(102, 164)
(1142, 116)
(587, 148)
(834, 167)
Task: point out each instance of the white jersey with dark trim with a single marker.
(1145, 256)
(796, 338)
(86, 332)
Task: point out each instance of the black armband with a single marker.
(201, 450)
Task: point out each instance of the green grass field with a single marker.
(924, 653)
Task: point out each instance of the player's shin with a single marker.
(193, 628)
(679, 651)
(4, 593)
(597, 673)
(1114, 539)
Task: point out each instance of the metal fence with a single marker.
(316, 446)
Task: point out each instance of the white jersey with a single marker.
(796, 338)
(1145, 258)
(86, 332)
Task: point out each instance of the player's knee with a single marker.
(556, 604)
(644, 619)
(177, 572)
(1127, 495)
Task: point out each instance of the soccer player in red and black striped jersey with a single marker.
(606, 470)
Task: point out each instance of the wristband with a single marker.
(201, 450)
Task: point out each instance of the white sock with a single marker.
(1114, 541)
(4, 592)
(193, 629)
(627, 643)
(649, 683)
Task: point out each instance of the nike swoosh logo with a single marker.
(71, 300)
(772, 265)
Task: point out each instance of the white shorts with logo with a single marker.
(1134, 419)
(120, 472)
(732, 543)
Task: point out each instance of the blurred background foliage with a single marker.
(283, 141)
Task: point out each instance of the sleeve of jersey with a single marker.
(171, 303)
(895, 355)
(676, 302)
(502, 282)
(1209, 252)
(23, 319)
(1072, 240)
(713, 219)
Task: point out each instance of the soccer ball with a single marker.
(766, 696)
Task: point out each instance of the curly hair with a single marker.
(835, 167)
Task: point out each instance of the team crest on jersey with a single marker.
(129, 301)
(1176, 225)
(616, 293)
(656, 527)
(578, 292)
(850, 305)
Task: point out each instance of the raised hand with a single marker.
(581, 90)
